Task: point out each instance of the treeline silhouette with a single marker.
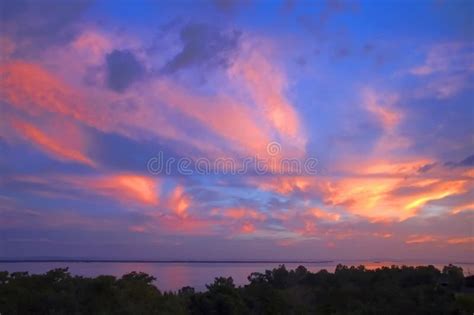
(349, 290)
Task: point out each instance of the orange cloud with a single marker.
(469, 206)
(123, 187)
(240, 213)
(469, 173)
(247, 228)
(377, 198)
(324, 215)
(240, 220)
(382, 235)
(178, 220)
(377, 189)
(179, 202)
(57, 148)
(140, 187)
(308, 229)
(283, 184)
(389, 167)
(461, 240)
(419, 239)
(438, 191)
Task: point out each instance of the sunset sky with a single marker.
(379, 93)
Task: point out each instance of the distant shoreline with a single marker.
(212, 261)
(165, 261)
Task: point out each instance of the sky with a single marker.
(237, 129)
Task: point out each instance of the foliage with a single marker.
(349, 290)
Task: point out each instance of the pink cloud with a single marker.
(446, 57)
(419, 239)
(247, 228)
(68, 145)
(242, 213)
(381, 106)
(445, 71)
(461, 240)
(267, 84)
(140, 188)
(122, 187)
(246, 125)
(179, 202)
(36, 91)
(223, 115)
(324, 215)
(464, 207)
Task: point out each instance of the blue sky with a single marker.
(377, 93)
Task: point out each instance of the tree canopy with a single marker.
(349, 290)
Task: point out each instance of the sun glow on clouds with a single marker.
(35, 90)
(126, 188)
(247, 228)
(231, 102)
(266, 85)
(422, 239)
(378, 198)
(463, 207)
(179, 202)
(377, 105)
(378, 191)
(32, 89)
(240, 213)
(419, 239)
(122, 187)
(58, 148)
(461, 240)
(222, 115)
(377, 187)
(324, 215)
(140, 187)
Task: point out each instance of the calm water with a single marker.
(173, 276)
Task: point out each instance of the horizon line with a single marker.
(200, 261)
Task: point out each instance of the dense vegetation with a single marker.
(354, 290)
